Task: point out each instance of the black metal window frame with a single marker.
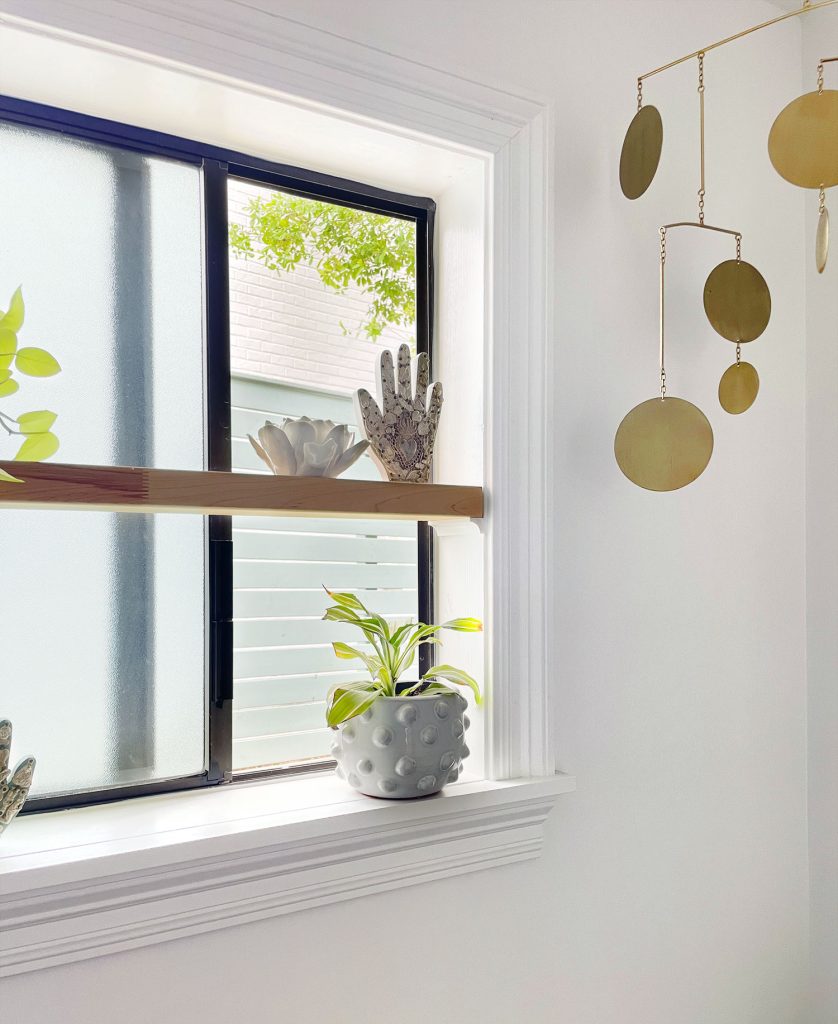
(218, 165)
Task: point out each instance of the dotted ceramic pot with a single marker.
(403, 747)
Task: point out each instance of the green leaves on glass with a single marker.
(345, 246)
(36, 422)
(34, 427)
(13, 319)
(37, 447)
(393, 651)
(36, 362)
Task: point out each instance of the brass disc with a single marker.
(664, 444)
(737, 301)
(822, 241)
(738, 388)
(803, 142)
(641, 152)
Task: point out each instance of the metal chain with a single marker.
(821, 199)
(820, 77)
(738, 248)
(738, 353)
(639, 93)
(701, 191)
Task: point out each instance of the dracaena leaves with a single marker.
(393, 651)
(39, 442)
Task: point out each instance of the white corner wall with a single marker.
(820, 39)
(674, 884)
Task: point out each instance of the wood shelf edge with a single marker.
(128, 489)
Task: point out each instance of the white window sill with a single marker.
(87, 882)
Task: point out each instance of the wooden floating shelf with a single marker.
(125, 489)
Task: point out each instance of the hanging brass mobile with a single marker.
(665, 443)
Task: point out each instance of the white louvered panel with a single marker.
(277, 691)
(251, 573)
(284, 664)
(279, 602)
(252, 723)
(267, 751)
(329, 527)
(271, 545)
(260, 663)
(284, 631)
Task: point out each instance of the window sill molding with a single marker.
(92, 881)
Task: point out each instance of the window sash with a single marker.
(218, 165)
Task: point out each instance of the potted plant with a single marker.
(397, 739)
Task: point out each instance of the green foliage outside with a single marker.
(39, 442)
(394, 651)
(345, 246)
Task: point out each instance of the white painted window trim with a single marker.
(165, 867)
(58, 914)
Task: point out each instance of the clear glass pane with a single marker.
(106, 245)
(103, 646)
(303, 340)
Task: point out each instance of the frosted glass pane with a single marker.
(103, 634)
(107, 246)
(102, 643)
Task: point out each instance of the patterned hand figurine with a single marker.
(402, 432)
(14, 790)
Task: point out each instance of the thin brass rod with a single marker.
(828, 60)
(701, 103)
(739, 35)
(706, 227)
(662, 315)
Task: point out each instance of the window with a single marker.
(132, 628)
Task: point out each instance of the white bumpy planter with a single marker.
(404, 746)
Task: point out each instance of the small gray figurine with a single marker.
(14, 789)
(402, 432)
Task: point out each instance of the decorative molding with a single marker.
(264, 49)
(136, 890)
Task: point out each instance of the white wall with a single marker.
(673, 887)
(820, 39)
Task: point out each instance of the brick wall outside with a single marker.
(288, 326)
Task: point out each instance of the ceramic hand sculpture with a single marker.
(402, 431)
(307, 447)
(14, 790)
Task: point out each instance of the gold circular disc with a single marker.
(737, 301)
(738, 388)
(641, 152)
(822, 241)
(803, 142)
(664, 444)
